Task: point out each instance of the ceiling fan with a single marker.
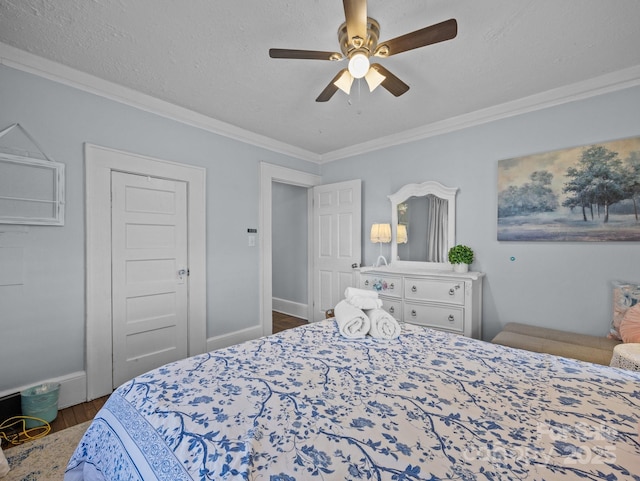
(358, 38)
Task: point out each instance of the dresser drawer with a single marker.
(386, 285)
(434, 290)
(393, 306)
(439, 317)
(441, 300)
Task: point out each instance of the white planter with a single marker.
(461, 267)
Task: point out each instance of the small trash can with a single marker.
(40, 402)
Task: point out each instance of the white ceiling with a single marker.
(211, 57)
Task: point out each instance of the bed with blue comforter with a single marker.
(308, 404)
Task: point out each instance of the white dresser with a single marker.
(439, 299)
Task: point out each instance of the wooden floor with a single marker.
(84, 412)
(282, 322)
(77, 414)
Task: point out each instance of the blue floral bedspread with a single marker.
(308, 404)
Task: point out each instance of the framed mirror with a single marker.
(423, 224)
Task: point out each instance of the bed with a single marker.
(307, 404)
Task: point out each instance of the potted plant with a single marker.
(460, 256)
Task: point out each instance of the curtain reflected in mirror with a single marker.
(423, 221)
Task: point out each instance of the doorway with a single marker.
(100, 163)
(343, 240)
(290, 254)
(269, 174)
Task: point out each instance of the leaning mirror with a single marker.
(423, 224)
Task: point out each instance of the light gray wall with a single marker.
(289, 240)
(565, 285)
(42, 323)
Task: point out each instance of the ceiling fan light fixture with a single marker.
(374, 78)
(358, 39)
(359, 65)
(344, 82)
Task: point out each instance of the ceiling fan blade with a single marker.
(420, 38)
(392, 83)
(304, 54)
(332, 88)
(355, 13)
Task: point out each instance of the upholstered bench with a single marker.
(560, 343)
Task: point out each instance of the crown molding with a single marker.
(30, 63)
(611, 82)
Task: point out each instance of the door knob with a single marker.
(182, 274)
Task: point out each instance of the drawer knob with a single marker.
(366, 283)
(414, 289)
(451, 318)
(391, 310)
(413, 313)
(391, 286)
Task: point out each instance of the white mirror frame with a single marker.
(419, 190)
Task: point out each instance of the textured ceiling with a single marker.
(211, 56)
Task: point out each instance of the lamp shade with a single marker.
(358, 65)
(374, 78)
(381, 233)
(402, 234)
(344, 82)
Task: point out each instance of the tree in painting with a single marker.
(599, 180)
(529, 198)
(633, 180)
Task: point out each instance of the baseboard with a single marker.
(73, 388)
(290, 308)
(232, 338)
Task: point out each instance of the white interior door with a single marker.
(149, 273)
(337, 217)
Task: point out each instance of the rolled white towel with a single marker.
(364, 302)
(362, 298)
(353, 323)
(355, 292)
(383, 324)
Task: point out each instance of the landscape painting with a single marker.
(588, 193)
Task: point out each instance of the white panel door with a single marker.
(149, 273)
(337, 216)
